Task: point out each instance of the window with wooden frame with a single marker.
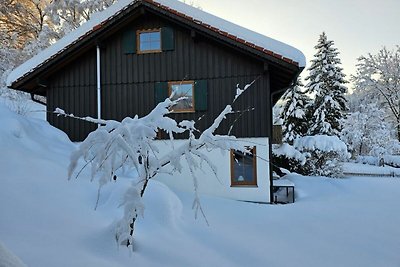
(162, 90)
(244, 168)
(184, 90)
(148, 41)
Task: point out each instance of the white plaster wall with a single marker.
(221, 185)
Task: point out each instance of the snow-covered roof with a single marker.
(250, 38)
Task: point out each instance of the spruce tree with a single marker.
(326, 81)
(293, 114)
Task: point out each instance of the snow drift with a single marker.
(47, 221)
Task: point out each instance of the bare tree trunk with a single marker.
(148, 177)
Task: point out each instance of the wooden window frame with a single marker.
(192, 110)
(253, 183)
(138, 32)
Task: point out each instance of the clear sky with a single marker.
(357, 27)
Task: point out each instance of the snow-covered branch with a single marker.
(129, 146)
(378, 81)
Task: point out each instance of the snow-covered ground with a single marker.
(46, 220)
(24, 106)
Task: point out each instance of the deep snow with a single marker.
(46, 220)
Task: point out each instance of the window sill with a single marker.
(139, 52)
(245, 185)
(182, 111)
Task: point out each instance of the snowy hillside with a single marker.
(46, 220)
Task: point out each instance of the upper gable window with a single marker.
(183, 90)
(149, 41)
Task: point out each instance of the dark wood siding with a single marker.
(73, 89)
(128, 81)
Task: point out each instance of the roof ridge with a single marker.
(226, 28)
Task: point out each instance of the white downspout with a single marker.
(98, 85)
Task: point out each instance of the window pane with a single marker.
(243, 169)
(182, 90)
(149, 41)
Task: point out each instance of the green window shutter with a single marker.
(167, 39)
(200, 95)
(160, 92)
(129, 42)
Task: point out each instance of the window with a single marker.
(182, 89)
(199, 94)
(149, 41)
(243, 168)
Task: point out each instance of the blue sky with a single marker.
(357, 27)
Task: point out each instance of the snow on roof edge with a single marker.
(249, 37)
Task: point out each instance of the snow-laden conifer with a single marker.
(294, 113)
(326, 82)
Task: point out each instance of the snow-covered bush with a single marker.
(366, 131)
(318, 155)
(288, 157)
(370, 160)
(393, 161)
(387, 159)
(325, 154)
(17, 101)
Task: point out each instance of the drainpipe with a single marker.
(98, 85)
(271, 187)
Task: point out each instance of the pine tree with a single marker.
(293, 114)
(326, 81)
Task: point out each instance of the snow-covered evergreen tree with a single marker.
(326, 82)
(293, 113)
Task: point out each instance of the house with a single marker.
(131, 56)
